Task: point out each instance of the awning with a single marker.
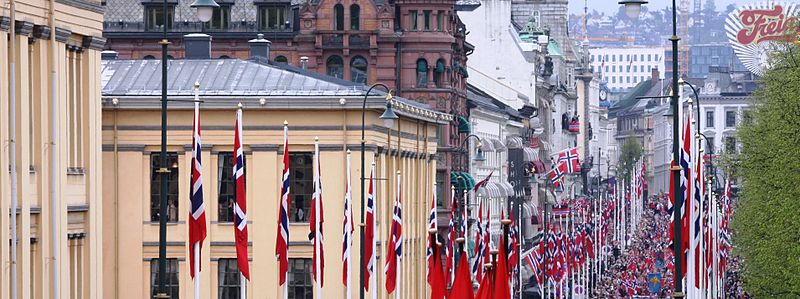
(545, 145)
(498, 145)
(462, 180)
(463, 125)
(514, 142)
(529, 154)
(509, 189)
(490, 190)
(487, 145)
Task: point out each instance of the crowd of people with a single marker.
(649, 252)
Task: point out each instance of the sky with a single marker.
(611, 6)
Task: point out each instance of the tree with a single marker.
(766, 225)
(630, 154)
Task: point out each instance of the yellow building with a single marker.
(50, 116)
(313, 105)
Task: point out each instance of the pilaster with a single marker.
(22, 146)
(4, 175)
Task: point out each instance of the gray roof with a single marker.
(223, 77)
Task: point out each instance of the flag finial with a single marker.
(239, 105)
(316, 138)
(196, 85)
(285, 123)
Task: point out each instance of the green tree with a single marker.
(766, 226)
(630, 154)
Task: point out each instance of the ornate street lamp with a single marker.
(205, 9)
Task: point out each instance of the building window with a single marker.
(426, 14)
(730, 119)
(438, 72)
(338, 17)
(613, 79)
(302, 180)
(172, 187)
(440, 20)
(440, 188)
(613, 58)
(413, 15)
(281, 59)
(228, 279)
(299, 279)
(272, 18)
(422, 73)
(355, 15)
(613, 68)
(649, 57)
(226, 187)
(335, 67)
(220, 18)
(171, 281)
(710, 145)
(358, 70)
(730, 144)
(154, 17)
(710, 119)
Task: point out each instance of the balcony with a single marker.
(243, 29)
(333, 41)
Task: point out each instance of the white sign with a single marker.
(754, 29)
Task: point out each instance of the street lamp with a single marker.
(388, 118)
(204, 11)
(635, 6)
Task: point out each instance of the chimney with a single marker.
(259, 48)
(654, 76)
(109, 55)
(197, 46)
(303, 62)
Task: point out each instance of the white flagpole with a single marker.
(347, 231)
(317, 242)
(399, 288)
(243, 288)
(196, 270)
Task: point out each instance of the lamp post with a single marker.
(205, 9)
(632, 9)
(388, 117)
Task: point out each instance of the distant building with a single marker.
(313, 105)
(624, 68)
(702, 57)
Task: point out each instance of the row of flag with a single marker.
(198, 231)
(704, 218)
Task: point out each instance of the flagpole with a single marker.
(317, 264)
(196, 270)
(243, 288)
(348, 229)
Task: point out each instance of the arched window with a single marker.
(422, 73)
(281, 59)
(224, 57)
(148, 57)
(358, 70)
(438, 72)
(355, 14)
(335, 67)
(338, 17)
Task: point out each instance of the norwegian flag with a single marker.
(282, 237)
(369, 233)
(240, 204)
(477, 263)
(431, 241)
(316, 220)
(686, 185)
(450, 241)
(395, 250)
(571, 159)
(197, 216)
(347, 230)
(557, 177)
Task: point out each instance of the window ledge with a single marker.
(76, 171)
(169, 223)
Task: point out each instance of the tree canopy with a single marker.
(631, 153)
(766, 223)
